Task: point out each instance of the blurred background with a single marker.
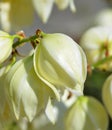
(67, 22)
(70, 23)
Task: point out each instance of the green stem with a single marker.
(23, 41)
(107, 59)
(32, 39)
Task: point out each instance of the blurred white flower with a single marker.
(97, 44)
(15, 13)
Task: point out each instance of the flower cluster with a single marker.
(33, 83)
(50, 77)
(97, 44)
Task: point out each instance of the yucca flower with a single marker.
(87, 113)
(97, 44)
(27, 93)
(60, 62)
(15, 14)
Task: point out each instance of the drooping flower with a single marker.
(86, 113)
(97, 44)
(60, 61)
(6, 42)
(107, 94)
(28, 94)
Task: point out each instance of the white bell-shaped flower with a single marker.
(86, 113)
(60, 62)
(28, 94)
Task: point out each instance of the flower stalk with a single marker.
(23, 41)
(35, 39)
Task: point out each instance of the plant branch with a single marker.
(23, 41)
(33, 39)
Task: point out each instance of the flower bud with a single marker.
(107, 94)
(59, 61)
(27, 93)
(86, 113)
(97, 44)
(6, 42)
